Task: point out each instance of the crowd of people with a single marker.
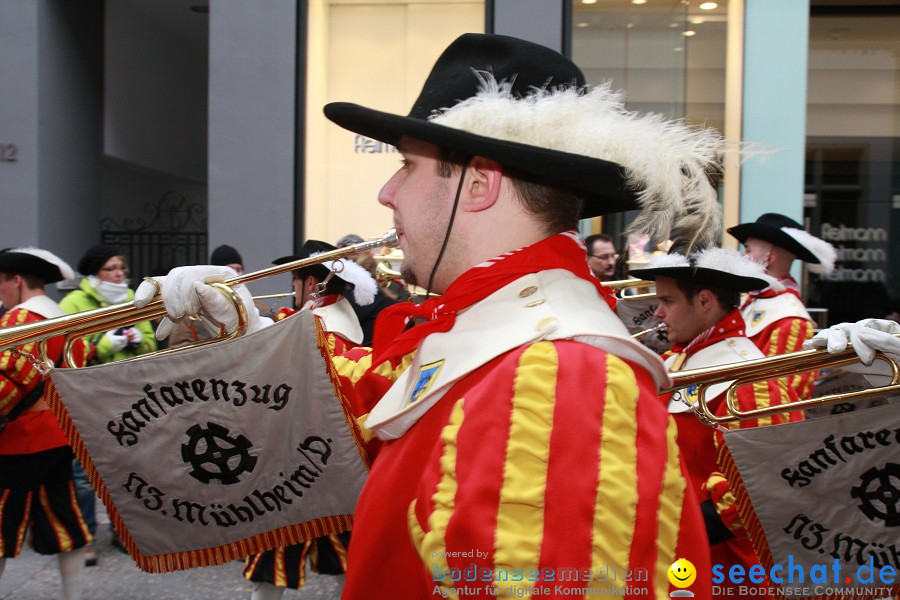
(541, 440)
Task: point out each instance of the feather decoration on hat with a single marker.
(732, 261)
(665, 261)
(717, 259)
(64, 268)
(364, 285)
(669, 163)
(821, 249)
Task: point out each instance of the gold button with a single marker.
(534, 303)
(546, 322)
(527, 291)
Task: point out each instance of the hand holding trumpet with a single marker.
(186, 291)
(867, 337)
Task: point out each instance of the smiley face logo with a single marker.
(682, 573)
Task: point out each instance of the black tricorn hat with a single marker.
(527, 67)
(35, 261)
(309, 248)
(768, 227)
(717, 268)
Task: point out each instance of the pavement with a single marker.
(33, 576)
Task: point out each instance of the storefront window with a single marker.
(668, 58)
(376, 53)
(852, 180)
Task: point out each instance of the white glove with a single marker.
(867, 337)
(185, 292)
(147, 290)
(134, 335)
(118, 341)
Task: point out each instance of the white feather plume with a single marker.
(732, 261)
(668, 163)
(64, 268)
(821, 249)
(364, 285)
(665, 261)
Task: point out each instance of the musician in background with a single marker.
(36, 485)
(322, 291)
(777, 321)
(698, 301)
(520, 421)
(384, 297)
(601, 256)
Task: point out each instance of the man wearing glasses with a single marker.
(601, 256)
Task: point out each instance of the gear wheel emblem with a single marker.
(227, 457)
(879, 494)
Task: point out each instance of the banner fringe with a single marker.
(758, 537)
(217, 555)
(352, 425)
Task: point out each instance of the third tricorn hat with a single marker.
(364, 285)
(309, 248)
(35, 261)
(787, 233)
(525, 106)
(717, 268)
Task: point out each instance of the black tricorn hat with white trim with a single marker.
(35, 261)
(364, 285)
(787, 233)
(714, 267)
(526, 107)
(309, 248)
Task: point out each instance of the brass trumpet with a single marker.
(385, 275)
(620, 285)
(126, 313)
(776, 367)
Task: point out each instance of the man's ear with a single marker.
(482, 185)
(707, 299)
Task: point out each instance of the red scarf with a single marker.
(790, 286)
(731, 325)
(392, 340)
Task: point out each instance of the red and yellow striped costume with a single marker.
(552, 459)
(699, 444)
(784, 335)
(36, 487)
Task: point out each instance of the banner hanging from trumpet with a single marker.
(825, 497)
(213, 453)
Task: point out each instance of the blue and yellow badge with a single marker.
(757, 317)
(691, 395)
(427, 375)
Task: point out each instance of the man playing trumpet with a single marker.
(37, 491)
(517, 414)
(777, 320)
(698, 301)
